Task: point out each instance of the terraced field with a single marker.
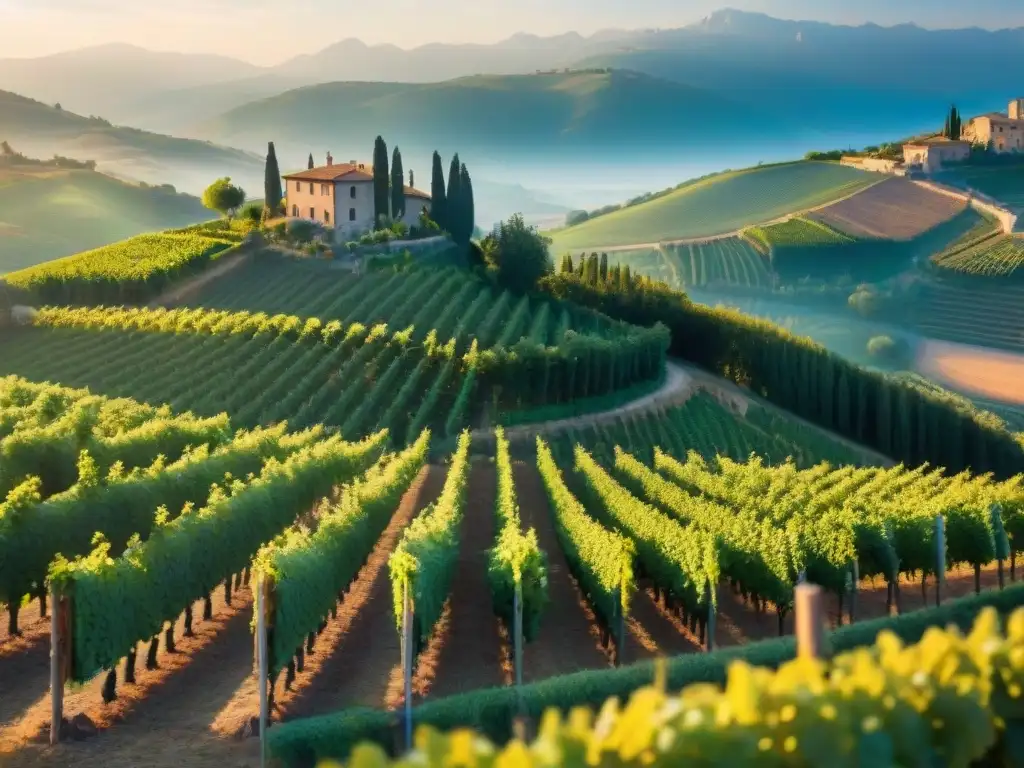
(895, 209)
(722, 204)
(718, 262)
(729, 261)
(992, 254)
(991, 316)
(797, 232)
(398, 350)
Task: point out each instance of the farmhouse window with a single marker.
(327, 217)
(312, 214)
(351, 214)
(311, 187)
(295, 211)
(352, 192)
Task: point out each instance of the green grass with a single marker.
(717, 205)
(797, 232)
(48, 213)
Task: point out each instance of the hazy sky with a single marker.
(269, 31)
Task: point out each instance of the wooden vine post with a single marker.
(709, 638)
(940, 557)
(407, 659)
(810, 621)
(620, 631)
(60, 658)
(262, 662)
(517, 632)
(854, 584)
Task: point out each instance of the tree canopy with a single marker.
(438, 196)
(272, 191)
(516, 254)
(224, 197)
(397, 185)
(381, 182)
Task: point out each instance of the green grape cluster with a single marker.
(944, 701)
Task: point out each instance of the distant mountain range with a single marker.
(818, 74)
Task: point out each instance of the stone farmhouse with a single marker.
(1001, 133)
(340, 197)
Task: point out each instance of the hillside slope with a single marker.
(539, 115)
(46, 213)
(43, 130)
(716, 205)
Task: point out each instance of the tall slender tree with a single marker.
(381, 182)
(272, 192)
(438, 196)
(452, 202)
(310, 164)
(412, 179)
(397, 185)
(467, 208)
(603, 270)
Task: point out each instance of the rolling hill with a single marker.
(43, 130)
(818, 74)
(717, 205)
(46, 213)
(557, 114)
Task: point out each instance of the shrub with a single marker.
(865, 300)
(888, 350)
(301, 231)
(252, 212)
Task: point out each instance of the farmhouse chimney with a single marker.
(330, 160)
(412, 181)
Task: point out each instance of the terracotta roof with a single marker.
(411, 192)
(337, 172)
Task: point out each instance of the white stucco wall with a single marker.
(357, 197)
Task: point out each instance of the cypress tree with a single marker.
(310, 165)
(381, 182)
(844, 408)
(467, 208)
(947, 131)
(438, 197)
(272, 192)
(453, 205)
(604, 268)
(397, 185)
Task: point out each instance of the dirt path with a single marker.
(24, 662)
(733, 233)
(740, 623)
(190, 287)
(165, 715)
(465, 654)
(989, 373)
(675, 390)
(569, 637)
(357, 654)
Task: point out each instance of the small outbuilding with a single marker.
(933, 153)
